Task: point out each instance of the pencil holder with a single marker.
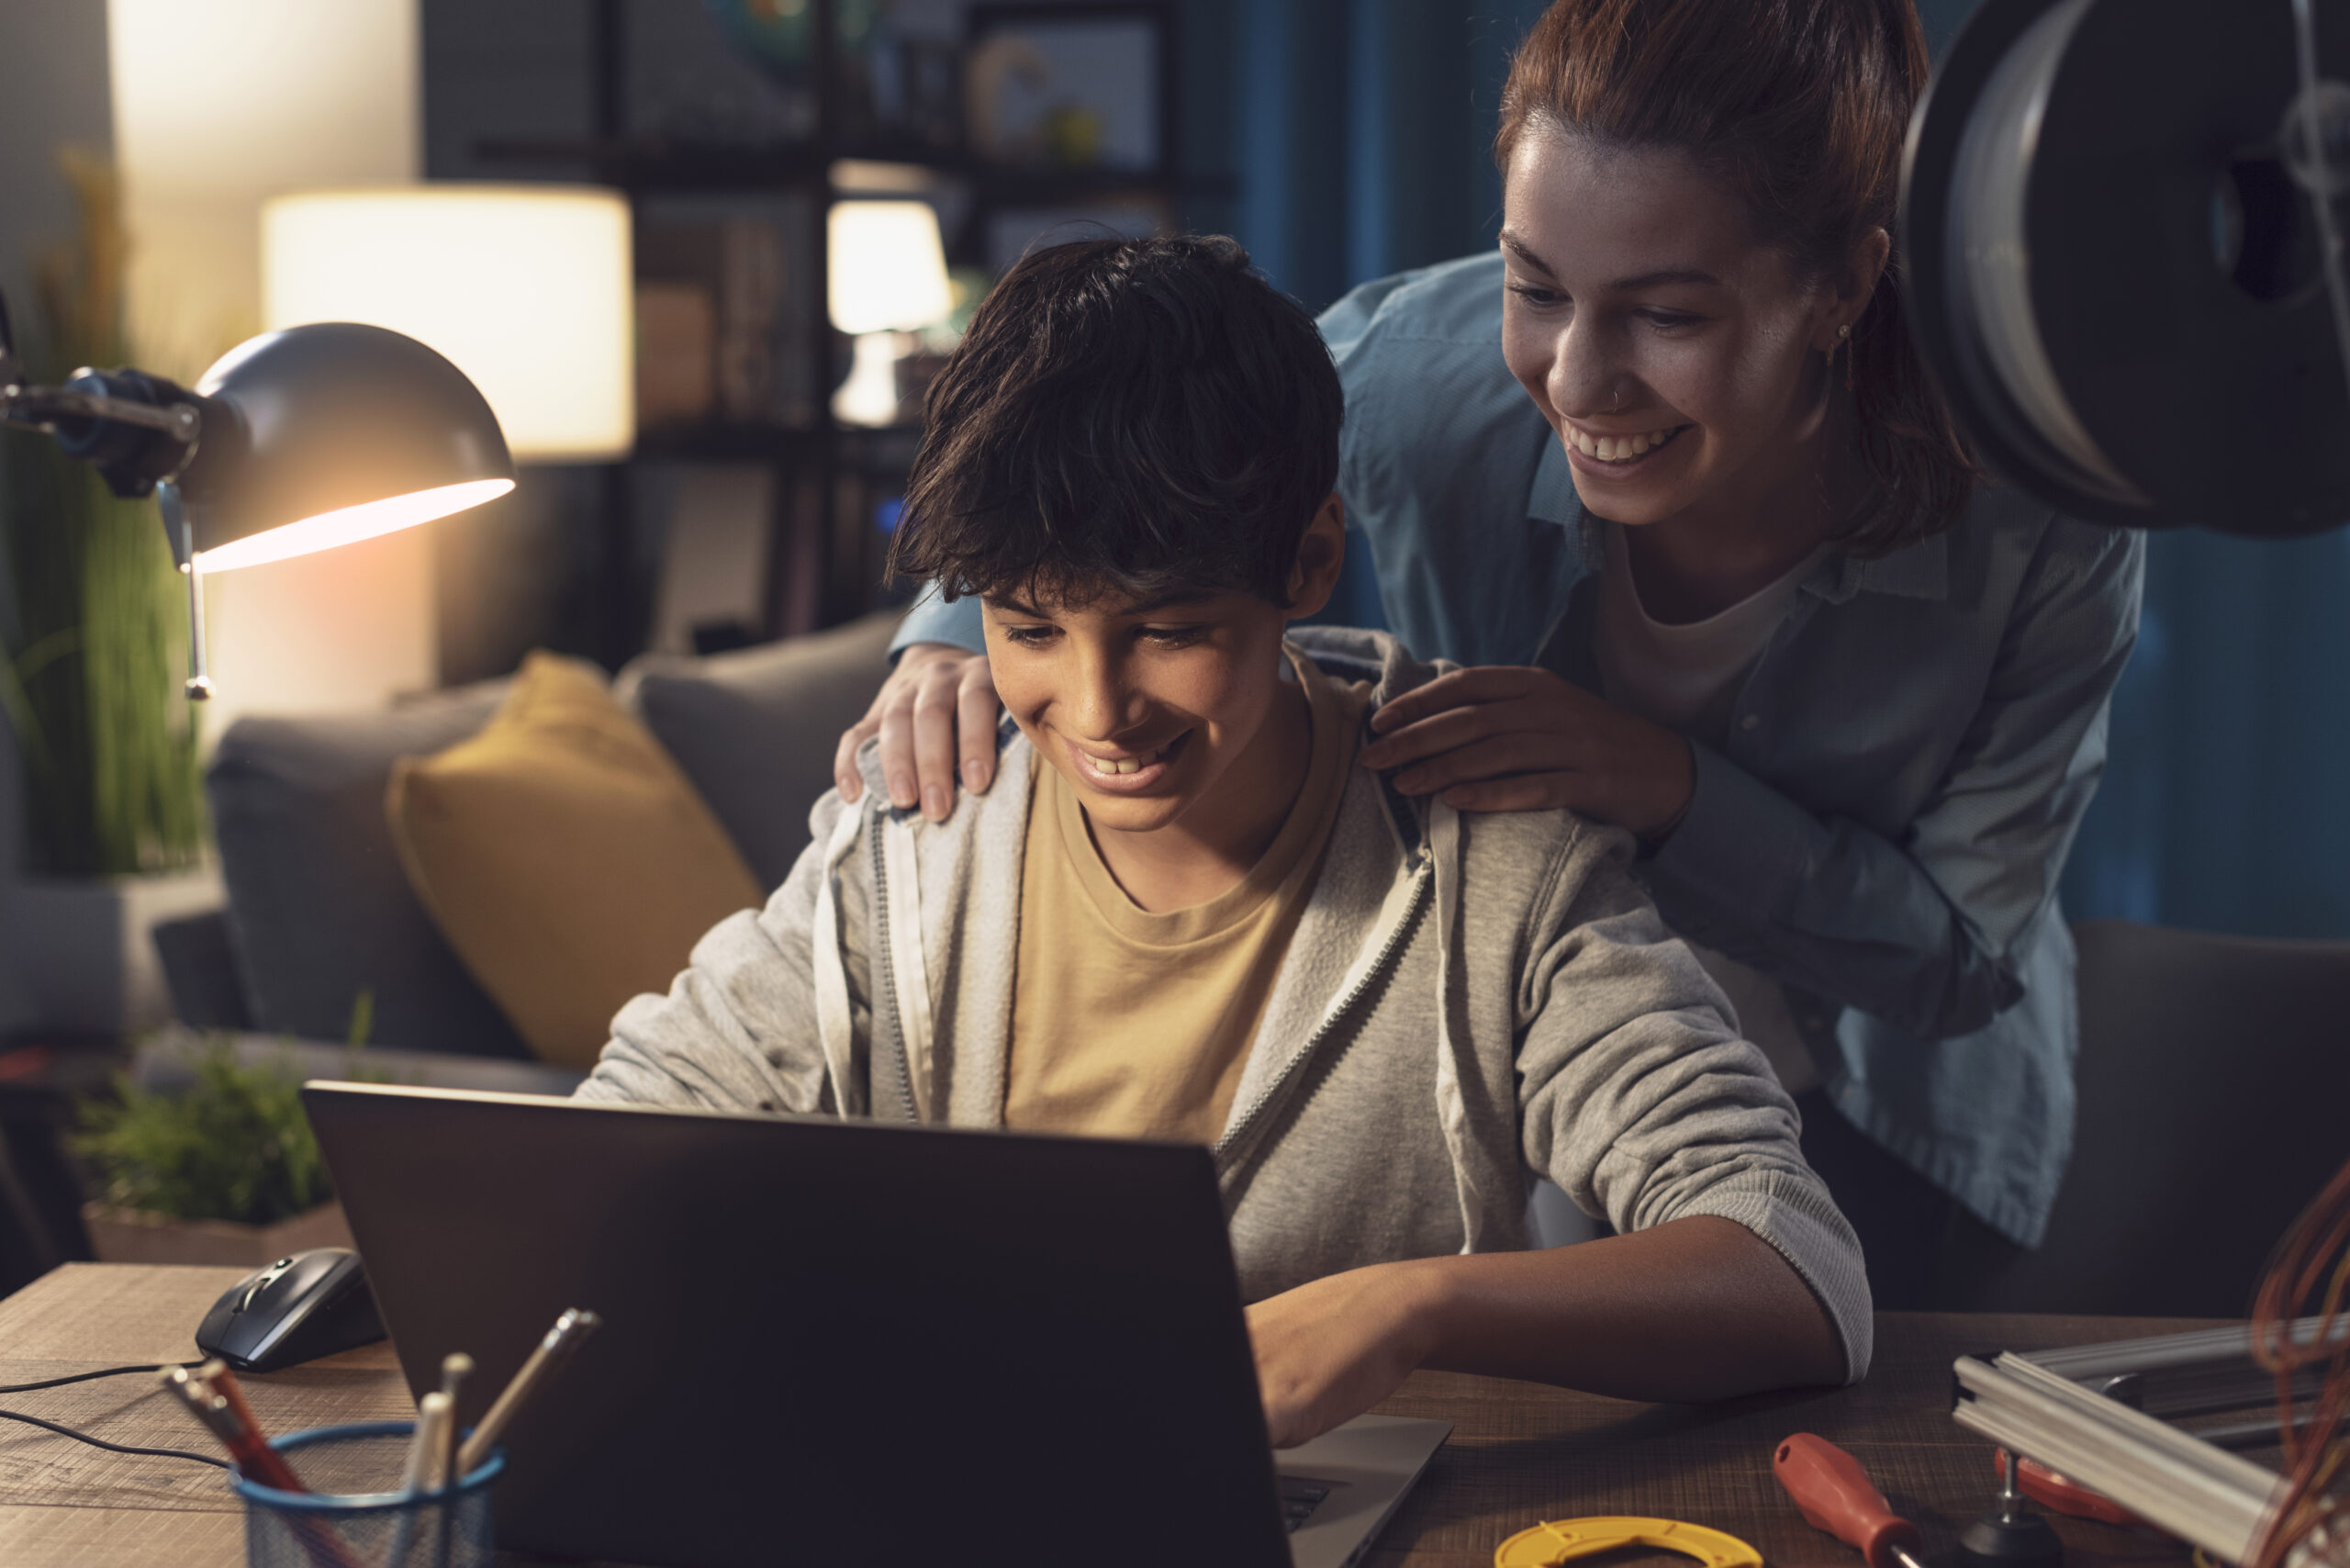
(354, 1514)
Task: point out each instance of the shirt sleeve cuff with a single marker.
(1741, 841)
(933, 620)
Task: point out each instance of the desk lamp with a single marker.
(297, 441)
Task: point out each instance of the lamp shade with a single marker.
(528, 289)
(326, 434)
(886, 267)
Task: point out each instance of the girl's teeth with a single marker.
(1619, 448)
(1116, 765)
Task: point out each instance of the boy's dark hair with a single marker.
(1129, 419)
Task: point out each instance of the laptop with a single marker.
(832, 1341)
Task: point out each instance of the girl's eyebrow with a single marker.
(1524, 252)
(1664, 277)
(1661, 278)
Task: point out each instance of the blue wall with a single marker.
(1363, 142)
(2223, 803)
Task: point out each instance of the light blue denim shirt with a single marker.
(1884, 826)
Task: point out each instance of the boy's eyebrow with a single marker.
(1175, 597)
(1141, 607)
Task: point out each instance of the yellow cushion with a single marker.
(566, 856)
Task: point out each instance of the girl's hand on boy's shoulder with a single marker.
(1511, 738)
(1331, 1350)
(940, 700)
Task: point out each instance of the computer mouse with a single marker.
(294, 1310)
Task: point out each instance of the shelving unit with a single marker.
(824, 555)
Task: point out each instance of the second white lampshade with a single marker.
(886, 268)
(528, 289)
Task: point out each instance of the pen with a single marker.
(569, 1331)
(439, 1475)
(241, 1437)
(215, 1378)
(455, 1367)
(427, 1450)
(432, 1414)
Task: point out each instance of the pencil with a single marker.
(569, 1331)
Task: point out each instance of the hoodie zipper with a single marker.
(1396, 935)
(888, 970)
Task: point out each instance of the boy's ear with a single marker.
(1320, 554)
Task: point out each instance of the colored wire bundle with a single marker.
(2310, 1275)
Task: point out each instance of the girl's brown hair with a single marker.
(1799, 108)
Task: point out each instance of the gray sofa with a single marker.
(318, 908)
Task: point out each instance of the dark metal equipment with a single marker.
(2122, 229)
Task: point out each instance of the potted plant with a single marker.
(225, 1170)
(95, 644)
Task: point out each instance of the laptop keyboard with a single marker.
(1299, 1498)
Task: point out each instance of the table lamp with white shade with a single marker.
(528, 289)
(885, 273)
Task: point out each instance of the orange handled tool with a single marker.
(1834, 1494)
(2063, 1494)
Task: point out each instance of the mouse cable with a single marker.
(110, 1448)
(63, 1432)
(86, 1377)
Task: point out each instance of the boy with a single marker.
(1183, 912)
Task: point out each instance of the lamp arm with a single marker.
(40, 408)
(137, 431)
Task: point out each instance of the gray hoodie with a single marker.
(1467, 1001)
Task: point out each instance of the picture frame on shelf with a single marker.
(1071, 88)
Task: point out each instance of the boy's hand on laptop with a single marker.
(938, 697)
(1505, 739)
(1331, 1350)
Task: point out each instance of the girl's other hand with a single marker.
(940, 699)
(1508, 738)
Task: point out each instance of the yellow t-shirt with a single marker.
(1130, 1024)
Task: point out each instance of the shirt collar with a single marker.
(1915, 571)
(1552, 498)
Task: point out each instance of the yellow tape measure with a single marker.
(1562, 1541)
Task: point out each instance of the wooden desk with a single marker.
(1519, 1451)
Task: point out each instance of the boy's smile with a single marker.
(1128, 771)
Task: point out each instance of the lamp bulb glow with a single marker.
(348, 525)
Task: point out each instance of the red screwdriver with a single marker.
(1834, 1494)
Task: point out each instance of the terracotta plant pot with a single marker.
(135, 1236)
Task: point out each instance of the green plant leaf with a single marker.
(234, 1145)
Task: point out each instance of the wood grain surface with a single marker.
(64, 1502)
(1519, 1453)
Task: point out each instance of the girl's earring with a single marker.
(1844, 341)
